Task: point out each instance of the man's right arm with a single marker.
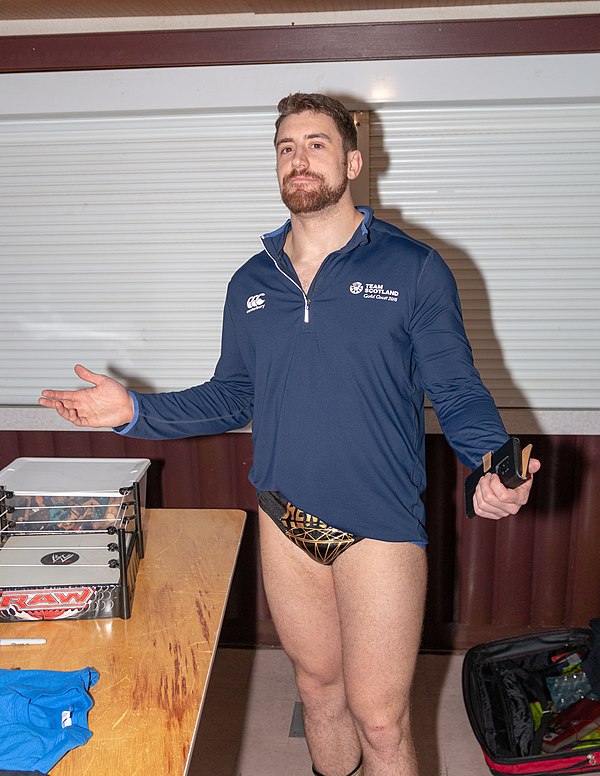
(223, 403)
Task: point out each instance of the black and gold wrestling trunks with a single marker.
(321, 541)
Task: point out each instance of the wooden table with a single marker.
(154, 667)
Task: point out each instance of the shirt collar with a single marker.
(275, 241)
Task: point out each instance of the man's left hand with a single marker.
(494, 501)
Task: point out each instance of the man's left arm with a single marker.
(464, 406)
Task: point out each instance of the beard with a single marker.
(299, 200)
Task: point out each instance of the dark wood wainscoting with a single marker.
(487, 580)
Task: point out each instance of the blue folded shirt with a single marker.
(43, 715)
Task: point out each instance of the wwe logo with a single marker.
(65, 557)
(59, 558)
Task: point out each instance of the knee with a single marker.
(381, 731)
(320, 686)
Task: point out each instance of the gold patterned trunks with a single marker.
(321, 541)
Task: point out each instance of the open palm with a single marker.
(106, 404)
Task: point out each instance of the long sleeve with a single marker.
(223, 403)
(466, 411)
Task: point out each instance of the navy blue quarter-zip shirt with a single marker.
(334, 380)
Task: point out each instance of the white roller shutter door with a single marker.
(510, 196)
(118, 236)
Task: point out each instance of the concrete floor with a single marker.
(248, 727)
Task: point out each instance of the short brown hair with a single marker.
(320, 103)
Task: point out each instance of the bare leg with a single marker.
(302, 601)
(380, 592)
(352, 631)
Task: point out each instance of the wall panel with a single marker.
(487, 580)
(301, 43)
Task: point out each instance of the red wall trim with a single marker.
(326, 43)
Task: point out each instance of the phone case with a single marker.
(509, 462)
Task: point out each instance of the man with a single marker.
(330, 336)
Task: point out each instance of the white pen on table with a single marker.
(19, 642)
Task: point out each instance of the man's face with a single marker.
(311, 163)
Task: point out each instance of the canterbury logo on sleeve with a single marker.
(256, 302)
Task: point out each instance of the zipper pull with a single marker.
(306, 311)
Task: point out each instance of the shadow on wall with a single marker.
(132, 383)
(456, 258)
(466, 272)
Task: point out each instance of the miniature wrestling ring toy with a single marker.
(71, 537)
